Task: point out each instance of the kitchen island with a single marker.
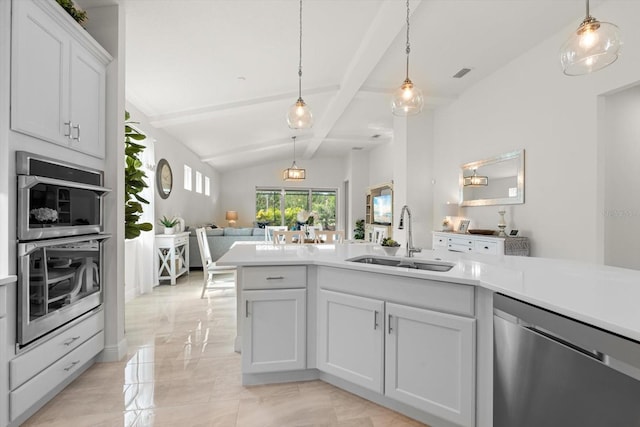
(416, 341)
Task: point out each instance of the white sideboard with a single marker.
(173, 256)
(480, 244)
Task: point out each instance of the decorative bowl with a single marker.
(390, 250)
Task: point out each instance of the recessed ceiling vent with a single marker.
(460, 74)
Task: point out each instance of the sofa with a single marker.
(220, 240)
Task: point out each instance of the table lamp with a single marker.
(232, 217)
(448, 210)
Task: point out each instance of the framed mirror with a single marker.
(497, 180)
(164, 178)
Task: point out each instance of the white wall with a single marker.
(622, 179)
(238, 188)
(194, 208)
(358, 176)
(530, 104)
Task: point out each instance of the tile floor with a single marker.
(181, 370)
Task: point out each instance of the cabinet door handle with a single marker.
(77, 128)
(375, 319)
(275, 278)
(70, 367)
(246, 308)
(71, 340)
(389, 324)
(67, 133)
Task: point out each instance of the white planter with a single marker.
(169, 230)
(390, 250)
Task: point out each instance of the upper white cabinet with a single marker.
(58, 78)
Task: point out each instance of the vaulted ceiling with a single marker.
(219, 75)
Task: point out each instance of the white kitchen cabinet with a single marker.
(351, 338)
(58, 78)
(274, 330)
(430, 360)
(481, 244)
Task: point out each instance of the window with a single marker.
(207, 186)
(187, 178)
(281, 206)
(198, 182)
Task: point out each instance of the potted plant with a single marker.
(358, 233)
(134, 182)
(169, 224)
(390, 246)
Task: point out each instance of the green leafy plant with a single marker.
(76, 13)
(358, 233)
(169, 222)
(134, 182)
(388, 241)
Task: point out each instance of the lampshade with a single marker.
(593, 46)
(475, 180)
(294, 173)
(231, 216)
(407, 99)
(299, 114)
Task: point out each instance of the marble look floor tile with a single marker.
(181, 370)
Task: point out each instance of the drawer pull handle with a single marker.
(275, 278)
(486, 247)
(67, 133)
(71, 341)
(70, 367)
(77, 137)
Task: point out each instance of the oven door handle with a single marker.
(27, 181)
(28, 247)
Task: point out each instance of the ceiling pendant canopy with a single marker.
(299, 115)
(294, 173)
(593, 46)
(407, 99)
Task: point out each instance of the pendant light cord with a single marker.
(408, 49)
(294, 150)
(587, 1)
(300, 61)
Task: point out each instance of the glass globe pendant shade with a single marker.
(407, 100)
(593, 46)
(299, 116)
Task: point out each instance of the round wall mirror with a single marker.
(164, 178)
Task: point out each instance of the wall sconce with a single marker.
(232, 217)
(475, 180)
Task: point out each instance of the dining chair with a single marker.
(330, 236)
(287, 237)
(269, 229)
(379, 233)
(227, 274)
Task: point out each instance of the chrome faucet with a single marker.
(410, 249)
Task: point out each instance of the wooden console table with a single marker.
(173, 256)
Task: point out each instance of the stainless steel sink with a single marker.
(404, 263)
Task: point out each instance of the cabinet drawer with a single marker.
(276, 277)
(439, 242)
(27, 365)
(181, 240)
(486, 247)
(29, 393)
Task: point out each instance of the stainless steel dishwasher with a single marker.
(551, 371)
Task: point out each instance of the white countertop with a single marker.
(7, 279)
(606, 297)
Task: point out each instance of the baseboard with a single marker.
(114, 353)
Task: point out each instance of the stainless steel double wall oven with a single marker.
(60, 239)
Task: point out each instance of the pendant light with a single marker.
(294, 173)
(593, 46)
(407, 99)
(299, 115)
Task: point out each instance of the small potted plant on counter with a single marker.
(169, 224)
(390, 246)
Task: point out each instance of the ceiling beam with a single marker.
(260, 146)
(386, 25)
(204, 113)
